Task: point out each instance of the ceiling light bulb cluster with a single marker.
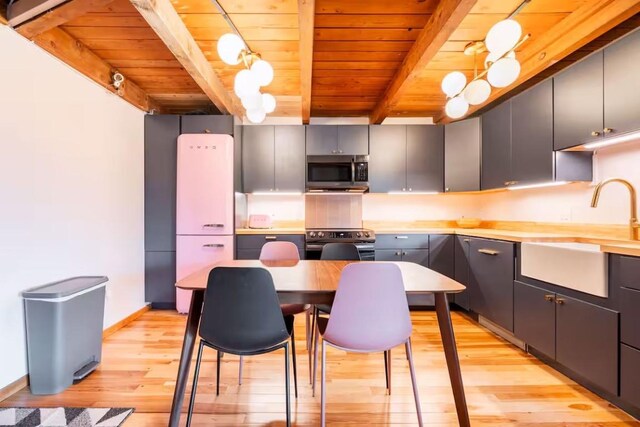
(501, 69)
(247, 83)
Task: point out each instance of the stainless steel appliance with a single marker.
(338, 173)
(315, 239)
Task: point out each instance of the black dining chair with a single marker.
(242, 316)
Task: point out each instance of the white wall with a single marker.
(71, 189)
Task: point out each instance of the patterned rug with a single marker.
(63, 417)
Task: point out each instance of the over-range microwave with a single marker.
(338, 173)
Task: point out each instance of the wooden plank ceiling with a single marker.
(359, 64)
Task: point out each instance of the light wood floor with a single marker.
(504, 386)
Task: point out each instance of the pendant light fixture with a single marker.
(501, 66)
(233, 50)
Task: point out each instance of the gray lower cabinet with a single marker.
(630, 375)
(534, 319)
(160, 279)
(630, 317)
(403, 247)
(578, 103)
(220, 124)
(417, 256)
(462, 270)
(492, 275)
(441, 254)
(587, 341)
(248, 246)
(387, 158)
(462, 156)
(388, 255)
(496, 147)
(273, 158)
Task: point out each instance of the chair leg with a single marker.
(295, 366)
(311, 343)
(316, 337)
(192, 401)
(386, 370)
(241, 365)
(286, 383)
(323, 415)
(388, 356)
(218, 373)
(414, 383)
(307, 326)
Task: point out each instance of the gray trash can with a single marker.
(64, 331)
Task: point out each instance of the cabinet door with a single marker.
(289, 158)
(630, 317)
(587, 341)
(402, 241)
(160, 160)
(207, 124)
(387, 158)
(322, 140)
(461, 270)
(492, 274)
(418, 256)
(621, 91)
(578, 103)
(496, 147)
(462, 156)
(532, 134)
(353, 140)
(160, 279)
(425, 158)
(258, 157)
(247, 253)
(441, 253)
(630, 375)
(534, 317)
(388, 255)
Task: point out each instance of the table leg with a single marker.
(193, 319)
(451, 354)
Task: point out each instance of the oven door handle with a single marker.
(353, 170)
(313, 247)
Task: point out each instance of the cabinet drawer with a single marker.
(402, 241)
(630, 375)
(630, 272)
(256, 241)
(630, 317)
(388, 255)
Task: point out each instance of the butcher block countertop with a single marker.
(279, 230)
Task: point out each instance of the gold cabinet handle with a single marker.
(548, 298)
(466, 240)
(488, 252)
(608, 130)
(559, 301)
(397, 253)
(595, 133)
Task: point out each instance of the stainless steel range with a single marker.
(364, 240)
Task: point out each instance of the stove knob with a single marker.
(358, 234)
(320, 234)
(312, 234)
(367, 234)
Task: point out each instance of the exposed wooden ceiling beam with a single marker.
(585, 24)
(442, 23)
(3, 13)
(306, 17)
(71, 51)
(165, 21)
(59, 16)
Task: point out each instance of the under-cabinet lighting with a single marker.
(276, 193)
(612, 141)
(420, 193)
(539, 185)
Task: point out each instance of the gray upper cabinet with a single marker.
(258, 158)
(322, 140)
(289, 158)
(388, 158)
(273, 158)
(621, 90)
(353, 139)
(207, 124)
(496, 147)
(532, 134)
(462, 156)
(160, 151)
(425, 158)
(578, 103)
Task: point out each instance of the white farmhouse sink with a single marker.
(578, 266)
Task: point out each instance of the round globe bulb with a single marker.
(245, 84)
(477, 92)
(262, 72)
(504, 72)
(453, 83)
(229, 48)
(268, 103)
(257, 115)
(456, 107)
(503, 36)
(252, 101)
(493, 57)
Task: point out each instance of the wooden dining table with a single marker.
(315, 282)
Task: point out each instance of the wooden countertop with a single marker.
(277, 230)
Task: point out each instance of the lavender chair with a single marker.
(370, 313)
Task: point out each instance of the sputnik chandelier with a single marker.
(501, 68)
(257, 73)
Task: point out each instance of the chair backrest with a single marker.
(340, 252)
(279, 251)
(241, 311)
(370, 311)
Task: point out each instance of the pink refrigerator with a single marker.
(204, 211)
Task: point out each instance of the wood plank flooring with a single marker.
(504, 385)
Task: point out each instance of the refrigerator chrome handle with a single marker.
(488, 252)
(213, 245)
(213, 225)
(402, 237)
